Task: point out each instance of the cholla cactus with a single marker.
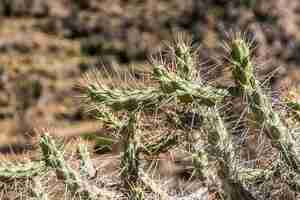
(87, 168)
(186, 91)
(260, 104)
(130, 157)
(185, 57)
(182, 86)
(223, 149)
(162, 145)
(21, 170)
(54, 158)
(118, 99)
(109, 119)
(292, 100)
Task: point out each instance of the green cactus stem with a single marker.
(54, 158)
(260, 104)
(87, 168)
(130, 158)
(222, 148)
(118, 100)
(21, 170)
(187, 91)
(185, 58)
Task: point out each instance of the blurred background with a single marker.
(46, 46)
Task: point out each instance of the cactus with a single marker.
(117, 99)
(260, 104)
(174, 92)
(187, 91)
(162, 145)
(54, 158)
(153, 186)
(223, 149)
(206, 97)
(130, 158)
(185, 57)
(86, 166)
(108, 119)
(21, 170)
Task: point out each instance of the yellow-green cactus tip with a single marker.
(239, 50)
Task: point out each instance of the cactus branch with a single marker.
(118, 100)
(130, 157)
(54, 158)
(260, 104)
(21, 170)
(185, 58)
(86, 166)
(187, 91)
(221, 143)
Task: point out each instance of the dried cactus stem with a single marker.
(260, 105)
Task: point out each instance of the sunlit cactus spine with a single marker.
(259, 103)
